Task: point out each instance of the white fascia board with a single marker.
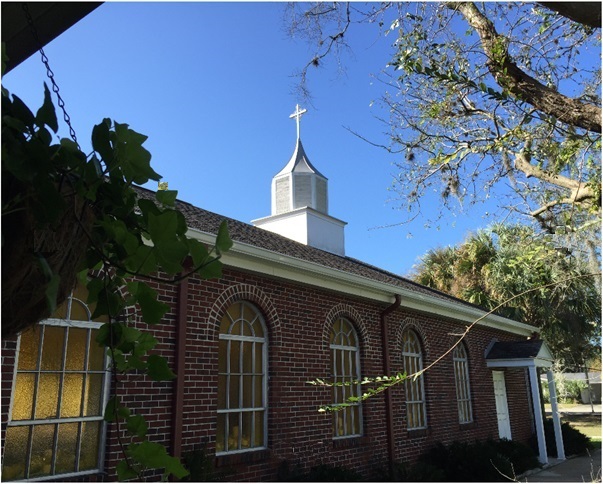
(520, 362)
(511, 362)
(263, 261)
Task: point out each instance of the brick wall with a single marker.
(298, 319)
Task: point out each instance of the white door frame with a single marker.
(502, 408)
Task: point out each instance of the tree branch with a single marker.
(585, 13)
(517, 82)
(523, 164)
(580, 192)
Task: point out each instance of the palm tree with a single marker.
(513, 266)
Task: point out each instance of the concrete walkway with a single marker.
(585, 468)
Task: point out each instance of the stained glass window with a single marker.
(345, 361)
(59, 391)
(242, 380)
(461, 378)
(415, 392)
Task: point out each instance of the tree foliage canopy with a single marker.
(496, 99)
(543, 288)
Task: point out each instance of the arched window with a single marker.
(60, 389)
(345, 364)
(415, 391)
(242, 380)
(461, 378)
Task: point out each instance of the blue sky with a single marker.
(212, 86)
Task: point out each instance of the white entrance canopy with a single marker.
(531, 354)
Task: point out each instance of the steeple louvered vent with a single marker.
(282, 195)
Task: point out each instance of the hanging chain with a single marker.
(49, 73)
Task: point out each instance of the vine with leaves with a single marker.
(90, 213)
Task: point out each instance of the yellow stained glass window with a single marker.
(241, 420)
(60, 374)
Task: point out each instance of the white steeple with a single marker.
(300, 202)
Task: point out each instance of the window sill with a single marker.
(242, 458)
(467, 426)
(345, 443)
(417, 433)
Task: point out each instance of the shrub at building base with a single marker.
(574, 441)
(320, 473)
(490, 461)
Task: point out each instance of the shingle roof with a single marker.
(206, 221)
(504, 350)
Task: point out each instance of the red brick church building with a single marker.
(290, 307)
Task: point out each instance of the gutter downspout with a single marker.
(180, 359)
(387, 372)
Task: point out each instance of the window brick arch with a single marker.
(349, 312)
(417, 327)
(250, 293)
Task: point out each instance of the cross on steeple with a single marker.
(297, 114)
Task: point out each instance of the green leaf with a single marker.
(145, 342)
(14, 123)
(94, 286)
(114, 410)
(211, 270)
(171, 254)
(50, 205)
(143, 260)
(147, 207)
(101, 141)
(5, 59)
(22, 112)
(137, 425)
(159, 369)
(46, 115)
(44, 136)
(198, 251)
(167, 197)
(109, 334)
(133, 159)
(223, 242)
(163, 226)
(119, 360)
(134, 362)
(109, 303)
(154, 456)
(125, 472)
(152, 310)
